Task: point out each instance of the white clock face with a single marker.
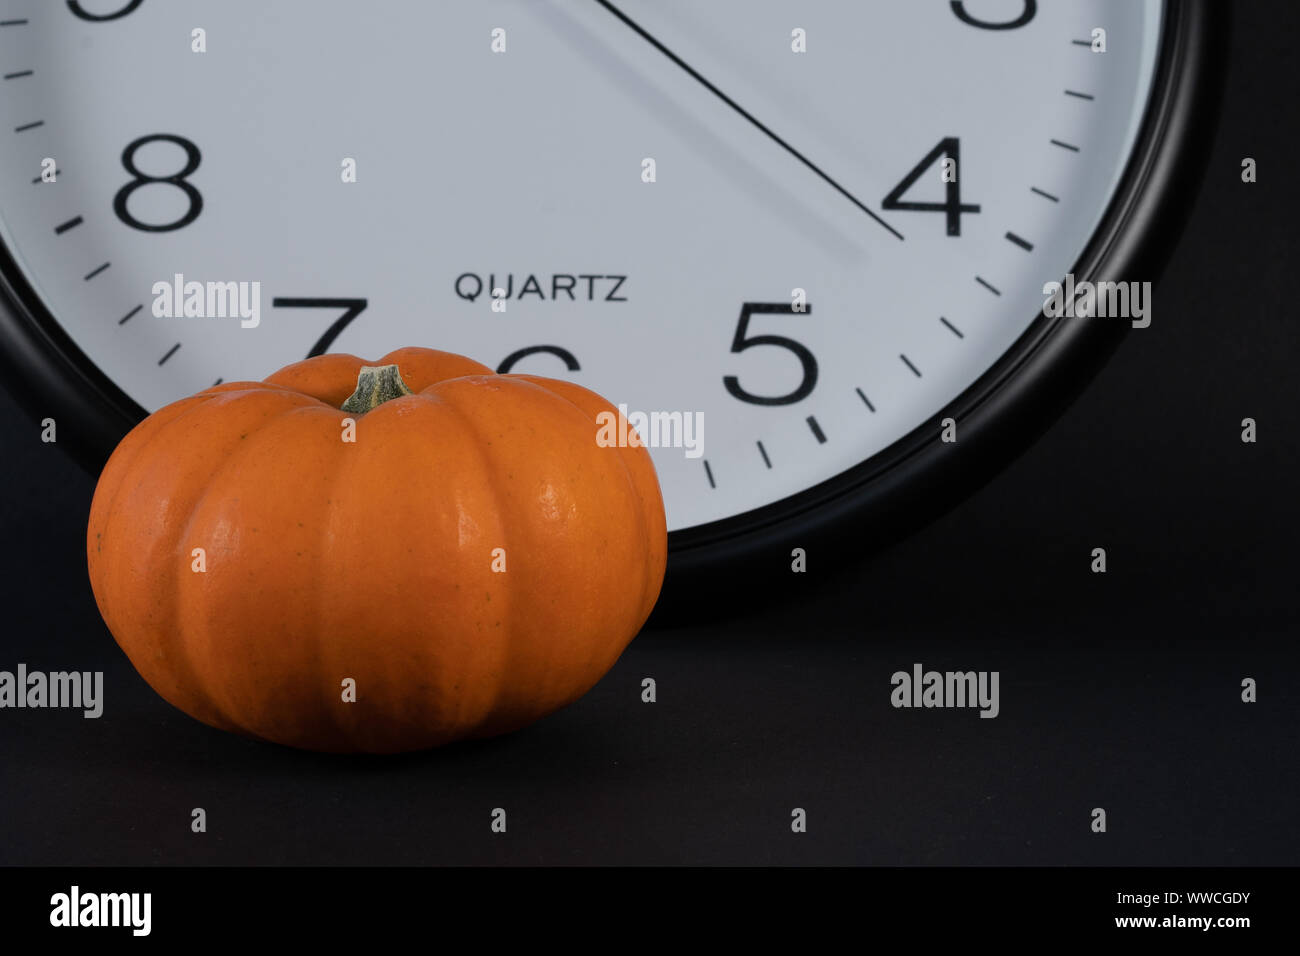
(526, 168)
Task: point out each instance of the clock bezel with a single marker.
(900, 488)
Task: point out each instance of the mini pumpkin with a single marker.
(470, 561)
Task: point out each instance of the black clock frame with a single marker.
(909, 483)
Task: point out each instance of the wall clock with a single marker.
(648, 184)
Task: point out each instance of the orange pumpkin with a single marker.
(376, 560)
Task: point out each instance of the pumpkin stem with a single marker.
(376, 384)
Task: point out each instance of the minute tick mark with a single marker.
(816, 430)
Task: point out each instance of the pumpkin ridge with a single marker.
(177, 655)
(649, 586)
(110, 509)
(496, 724)
(643, 528)
(643, 533)
(631, 483)
(118, 468)
(487, 466)
(342, 467)
(238, 451)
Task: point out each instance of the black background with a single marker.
(1119, 691)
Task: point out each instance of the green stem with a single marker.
(376, 384)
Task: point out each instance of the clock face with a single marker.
(807, 227)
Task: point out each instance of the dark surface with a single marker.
(1119, 690)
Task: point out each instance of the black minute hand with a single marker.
(641, 31)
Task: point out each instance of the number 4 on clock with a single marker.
(949, 148)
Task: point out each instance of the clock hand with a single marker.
(641, 31)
